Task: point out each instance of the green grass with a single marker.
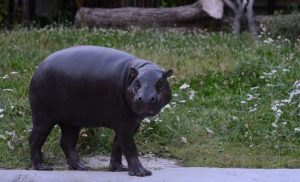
(214, 128)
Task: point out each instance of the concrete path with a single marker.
(179, 174)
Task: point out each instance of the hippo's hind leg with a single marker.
(116, 156)
(68, 141)
(38, 135)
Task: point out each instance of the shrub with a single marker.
(287, 26)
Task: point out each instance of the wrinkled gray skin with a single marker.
(90, 86)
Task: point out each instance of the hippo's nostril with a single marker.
(153, 99)
(139, 99)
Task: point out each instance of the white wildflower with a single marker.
(10, 146)
(274, 125)
(184, 86)
(250, 97)
(167, 106)
(175, 95)
(284, 123)
(183, 140)
(243, 102)
(1, 110)
(285, 70)
(208, 130)
(12, 107)
(2, 137)
(13, 72)
(234, 118)
(1, 115)
(253, 88)
(182, 101)
(285, 101)
(173, 103)
(192, 94)
(268, 41)
(273, 72)
(270, 73)
(297, 129)
(278, 113)
(146, 120)
(11, 133)
(253, 109)
(5, 77)
(293, 93)
(297, 84)
(7, 90)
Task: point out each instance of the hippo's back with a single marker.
(81, 60)
(80, 84)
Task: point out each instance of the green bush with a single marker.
(287, 26)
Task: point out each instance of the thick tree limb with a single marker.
(239, 11)
(231, 5)
(124, 17)
(238, 17)
(251, 23)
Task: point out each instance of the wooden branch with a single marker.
(231, 5)
(251, 23)
(124, 17)
(238, 17)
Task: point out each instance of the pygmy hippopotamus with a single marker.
(91, 86)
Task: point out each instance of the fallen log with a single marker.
(145, 17)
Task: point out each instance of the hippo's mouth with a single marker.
(148, 114)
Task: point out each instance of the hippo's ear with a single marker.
(168, 73)
(132, 73)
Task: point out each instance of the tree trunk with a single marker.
(251, 23)
(124, 17)
(238, 17)
(25, 12)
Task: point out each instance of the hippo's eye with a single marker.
(160, 84)
(137, 84)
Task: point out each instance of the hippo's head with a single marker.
(148, 91)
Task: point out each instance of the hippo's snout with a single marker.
(148, 106)
(151, 100)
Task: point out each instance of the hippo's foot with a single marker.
(78, 166)
(42, 167)
(117, 167)
(139, 171)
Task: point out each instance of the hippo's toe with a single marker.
(78, 166)
(117, 167)
(42, 167)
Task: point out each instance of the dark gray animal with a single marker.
(90, 86)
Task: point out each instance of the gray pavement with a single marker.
(178, 174)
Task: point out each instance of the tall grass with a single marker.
(227, 93)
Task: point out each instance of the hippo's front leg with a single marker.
(135, 167)
(116, 156)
